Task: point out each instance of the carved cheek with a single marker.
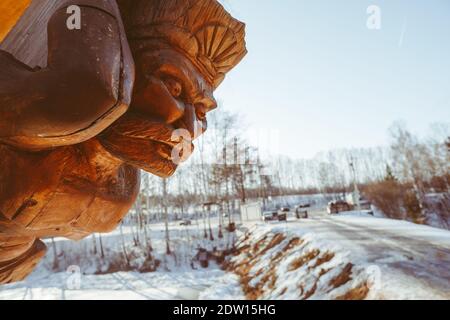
(154, 99)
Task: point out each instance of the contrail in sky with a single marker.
(402, 34)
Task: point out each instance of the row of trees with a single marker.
(416, 185)
(228, 171)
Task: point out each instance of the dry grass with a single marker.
(277, 257)
(323, 271)
(259, 272)
(310, 292)
(243, 268)
(343, 277)
(243, 240)
(358, 293)
(255, 292)
(268, 275)
(306, 295)
(265, 278)
(294, 242)
(324, 258)
(297, 263)
(252, 293)
(276, 240)
(269, 278)
(259, 243)
(242, 249)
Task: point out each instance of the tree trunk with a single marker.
(166, 217)
(55, 255)
(123, 245)
(102, 252)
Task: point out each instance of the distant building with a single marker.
(251, 211)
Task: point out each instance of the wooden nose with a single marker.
(190, 122)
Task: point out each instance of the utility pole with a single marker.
(226, 182)
(355, 185)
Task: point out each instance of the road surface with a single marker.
(418, 254)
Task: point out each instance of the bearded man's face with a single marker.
(169, 94)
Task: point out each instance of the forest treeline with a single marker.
(409, 179)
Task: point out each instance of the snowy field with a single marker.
(353, 256)
(82, 273)
(179, 285)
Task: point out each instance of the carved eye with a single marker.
(200, 111)
(174, 86)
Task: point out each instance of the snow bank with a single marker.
(319, 260)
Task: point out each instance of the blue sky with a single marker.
(320, 78)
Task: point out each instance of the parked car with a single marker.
(338, 206)
(282, 213)
(185, 223)
(301, 213)
(365, 204)
(269, 216)
(282, 216)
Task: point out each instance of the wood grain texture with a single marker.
(10, 13)
(68, 170)
(27, 41)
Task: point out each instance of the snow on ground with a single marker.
(184, 242)
(123, 286)
(344, 257)
(351, 256)
(79, 273)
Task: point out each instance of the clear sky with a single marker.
(320, 78)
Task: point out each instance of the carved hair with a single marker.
(201, 29)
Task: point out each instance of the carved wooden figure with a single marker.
(81, 111)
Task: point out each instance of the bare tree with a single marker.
(166, 215)
(406, 152)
